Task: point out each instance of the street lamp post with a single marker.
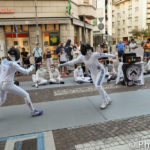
(36, 18)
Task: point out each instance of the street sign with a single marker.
(101, 26)
(100, 19)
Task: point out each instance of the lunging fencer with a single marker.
(79, 76)
(97, 70)
(7, 73)
(40, 77)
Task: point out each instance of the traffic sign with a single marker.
(101, 26)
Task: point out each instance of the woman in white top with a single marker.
(63, 59)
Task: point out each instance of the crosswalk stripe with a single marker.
(11, 142)
(49, 141)
(10, 145)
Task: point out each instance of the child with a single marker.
(40, 77)
(55, 75)
(63, 59)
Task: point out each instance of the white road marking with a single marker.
(83, 90)
(11, 143)
(49, 141)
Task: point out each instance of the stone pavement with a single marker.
(127, 134)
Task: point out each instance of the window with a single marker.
(86, 1)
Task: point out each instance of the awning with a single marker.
(32, 21)
(81, 24)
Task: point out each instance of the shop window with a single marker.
(54, 38)
(57, 27)
(50, 27)
(7, 29)
(43, 27)
(25, 28)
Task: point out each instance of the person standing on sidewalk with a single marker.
(120, 48)
(63, 59)
(48, 56)
(133, 46)
(37, 53)
(146, 47)
(90, 59)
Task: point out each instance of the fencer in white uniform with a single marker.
(97, 70)
(55, 75)
(8, 70)
(40, 77)
(79, 76)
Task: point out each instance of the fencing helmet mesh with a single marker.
(85, 48)
(15, 53)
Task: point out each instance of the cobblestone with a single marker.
(103, 136)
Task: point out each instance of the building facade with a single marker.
(128, 15)
(103, 25)
(19, 25)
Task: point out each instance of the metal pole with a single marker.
(37, 30)
(84, 30)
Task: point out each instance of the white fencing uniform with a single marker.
(97, 70)
(55, 76)
(120, 75)
(40, 76)
(147, 68)
(79, 76)
(8, 70)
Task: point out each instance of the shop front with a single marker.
(17, 36)
(51, 37)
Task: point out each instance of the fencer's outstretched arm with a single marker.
(103, 55)
(74, 61)
(22, 70)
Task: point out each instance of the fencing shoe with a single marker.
(104, 105)
(109, 101)
(37, 113)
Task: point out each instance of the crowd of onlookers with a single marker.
(67, 51)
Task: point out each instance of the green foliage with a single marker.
(144, 33)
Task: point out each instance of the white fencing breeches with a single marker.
(83, 80)
(56, 81)
(41, 81)
(98, 84)
(9, 87)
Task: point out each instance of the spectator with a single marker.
(40, 77)
(58, 49)
(111, 71)
(120, 48)
(37, 53)
(146, 47)
(79, 76)
(55, 76)
(25, 58)
(68, 49)
(63, 59)
(133, 46)
(48, 57)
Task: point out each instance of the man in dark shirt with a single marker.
(25, 57)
